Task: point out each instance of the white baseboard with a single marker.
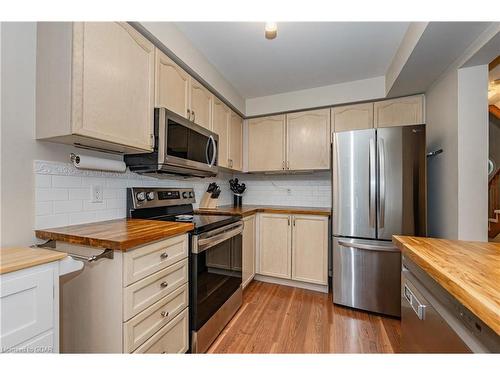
(293, 283)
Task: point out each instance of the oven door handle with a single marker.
(202, 244)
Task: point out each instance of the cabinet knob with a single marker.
(164, 255)
(164, 314)
(189, 114)
(194, 116)
(164, 284)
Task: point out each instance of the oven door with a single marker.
(185, 145)
(216, 272)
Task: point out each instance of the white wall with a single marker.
(365, 89)
(457, 122)
(179, 44)
(473, 153)
(442, 170)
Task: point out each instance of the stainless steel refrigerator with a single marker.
(379, 189)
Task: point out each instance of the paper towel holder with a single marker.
(74, 158)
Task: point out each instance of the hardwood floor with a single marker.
(281, 319)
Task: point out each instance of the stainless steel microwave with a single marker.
(181, 147)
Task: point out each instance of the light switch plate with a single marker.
(96, 193)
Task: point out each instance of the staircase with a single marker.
(494, 206)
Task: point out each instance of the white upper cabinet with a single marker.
(266, 144)
(236, 142)
(352, 117)
(201, 104)
(308, 140)
(221, 120)
(95, 85)
(172, 86)
(400, 112)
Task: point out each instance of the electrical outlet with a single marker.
(96, 193)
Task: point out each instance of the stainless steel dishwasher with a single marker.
(432, 321)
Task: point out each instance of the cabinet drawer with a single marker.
(27, 305)
(141, 327)
(145, 292)
(149, 259)
(173, 338)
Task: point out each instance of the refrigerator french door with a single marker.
(379, 190)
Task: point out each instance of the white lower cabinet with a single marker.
(294, 247)
(136, 302)
(29, 307)
(171, 338)
(248, 250)
(310, 249)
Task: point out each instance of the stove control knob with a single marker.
(141, 196)
(191, 195)
(184, 195)
(150, 195)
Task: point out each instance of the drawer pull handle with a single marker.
(164, 255)
(164, 314)
(164, 284)
(163, 352)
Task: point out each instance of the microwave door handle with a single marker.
(214, 155)
(206, 150)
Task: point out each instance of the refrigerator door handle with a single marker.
(365, 246)
(381, 161)
(373, 184)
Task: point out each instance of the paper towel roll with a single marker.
(90, 162)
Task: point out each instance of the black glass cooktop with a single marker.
(202, 223)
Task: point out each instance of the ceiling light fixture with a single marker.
(271, 30)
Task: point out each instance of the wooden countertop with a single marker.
(121, 234)
(247, 210)
(18, 258)
(469, 271)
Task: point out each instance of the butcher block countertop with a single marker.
(469, 271)
(247, 210)
(121, 234)
(18, 258)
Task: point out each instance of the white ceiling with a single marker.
(304, 54)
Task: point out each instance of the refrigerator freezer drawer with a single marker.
(366, 275)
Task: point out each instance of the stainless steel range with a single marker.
(214, 260)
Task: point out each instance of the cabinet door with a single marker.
(352, 117)
(172, 85)
(400, 112)
(274, 249)
(113, 84)
(201, 105)
(221, 126)
(248, 249)
(308, 140)
(236, 142)
(310, 249)
(27, 305)
(266, 144)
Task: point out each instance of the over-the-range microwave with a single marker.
(181, 147)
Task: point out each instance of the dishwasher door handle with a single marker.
(417, 306)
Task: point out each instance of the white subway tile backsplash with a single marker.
(44, 208)
(66, 181)
(115, 203)
(92, 206)
(79, 193)
(82, 217)
(51, 221)
(63, 192)
(50, 194)
(61, 207)
(43, 181)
